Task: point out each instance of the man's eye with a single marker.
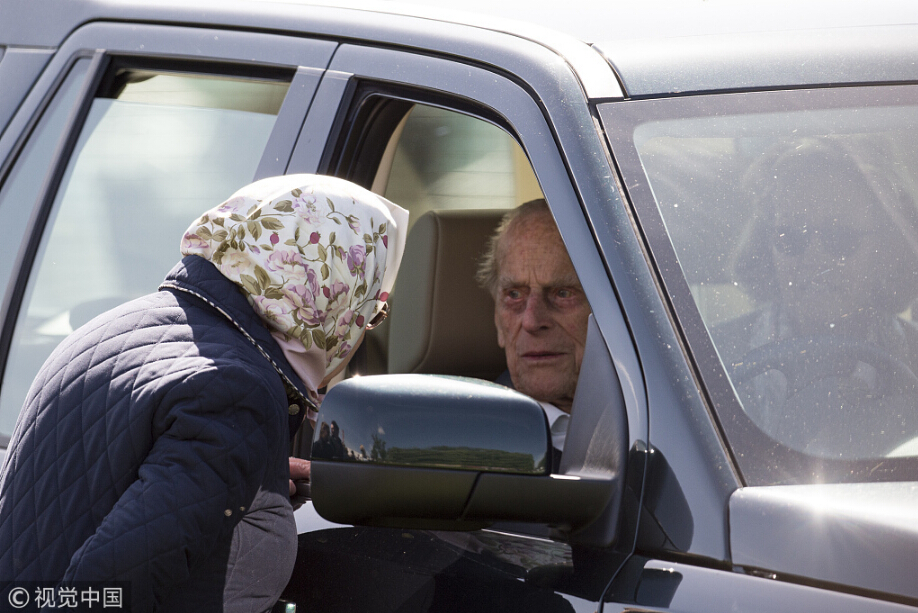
(514, 294)
(565, 293)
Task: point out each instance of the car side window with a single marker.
(157, 148)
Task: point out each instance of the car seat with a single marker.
(442, 322)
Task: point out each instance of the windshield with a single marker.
(794, 220)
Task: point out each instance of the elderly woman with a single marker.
(152, 449)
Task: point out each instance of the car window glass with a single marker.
(797, 232)
(149, 159)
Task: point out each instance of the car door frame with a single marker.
(504, 100)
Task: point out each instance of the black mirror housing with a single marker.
(435, 452)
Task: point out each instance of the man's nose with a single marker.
(536, 315)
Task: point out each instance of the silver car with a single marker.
(736, 184)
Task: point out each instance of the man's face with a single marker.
(540, 311)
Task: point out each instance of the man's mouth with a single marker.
(541, 355)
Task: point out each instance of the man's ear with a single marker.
(500, 332)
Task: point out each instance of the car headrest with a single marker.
(442, 322)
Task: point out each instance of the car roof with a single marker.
(613, 20)
(665, 47)
(657, 47)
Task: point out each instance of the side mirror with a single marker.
(435, 452)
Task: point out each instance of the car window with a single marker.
(795, 225)
(157, 148)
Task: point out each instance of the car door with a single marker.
(130, 133)
(434, 133)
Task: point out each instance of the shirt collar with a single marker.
(557, 422)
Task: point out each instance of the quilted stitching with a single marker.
(192, 418)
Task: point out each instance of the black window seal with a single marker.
(120, 67)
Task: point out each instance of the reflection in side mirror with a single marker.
(471, 425)
(433, 452)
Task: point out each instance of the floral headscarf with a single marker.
(316, 257)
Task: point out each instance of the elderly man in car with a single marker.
(540, 311)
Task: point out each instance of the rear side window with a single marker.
(156, 149)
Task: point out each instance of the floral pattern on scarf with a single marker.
(311, 253)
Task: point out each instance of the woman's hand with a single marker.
(300, 470)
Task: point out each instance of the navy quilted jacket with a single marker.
(153, 448)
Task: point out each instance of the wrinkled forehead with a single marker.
(533, 253)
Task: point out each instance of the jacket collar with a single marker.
(197, 276)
